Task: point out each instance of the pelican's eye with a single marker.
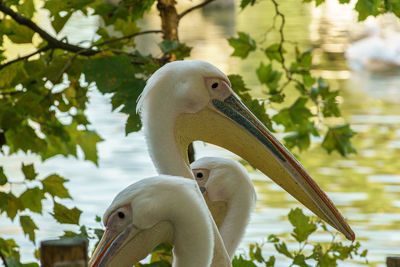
(121, 215)
(214, 85)
(199, 175)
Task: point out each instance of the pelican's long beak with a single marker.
(128, 247)
(231, 125)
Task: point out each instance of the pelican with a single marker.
(190, 100)
(227, 181)
(157, 209)
(378, 51)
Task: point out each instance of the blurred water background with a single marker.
(365, 186)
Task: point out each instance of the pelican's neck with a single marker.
(193, 236)
(236, 219)
(159, 118)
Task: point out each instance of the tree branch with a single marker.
(206, 2)
(282, 40)
(127, 37)
(52, 42)
(47, 47)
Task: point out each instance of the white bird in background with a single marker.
(191, 100)
(379, 51)
(227, 181)
(155, 210)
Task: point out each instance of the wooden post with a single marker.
(71, 252)
(393, 261)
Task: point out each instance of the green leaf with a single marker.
(300, 260)
(59, 22)
(17, 33)
(56, 6)
(127, 95)
(242, 45)
(126, 27)
(54, 185)
(30, 264)
(24, 138)
(295, 116)
(273, 239)
(245, 3)
(266, 75)
(12, 74)
(29, 172)
(83, 233)
(32, 199)
(308, 80)
(282, 249)
(273, 52)
(9, 248)
(27, 8)
(303, 226)
(255, 253)
(3, 177)
(88, 140)
(133, 124)
(12, 205)
(109, 72)
(238, 84)
(3, 201)
(28, 226)
(364, 253)
(270, 262)
(367, 8)
(338, 138)
(63, 214)
(180, 50)
(240, 262)
(256, 107)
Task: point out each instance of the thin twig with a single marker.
(25, 57)
(127, 37)
(194, 8)
(288, 73)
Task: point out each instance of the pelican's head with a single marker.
(223, 179)
(152, 211)
(193, 100)
(190, 85)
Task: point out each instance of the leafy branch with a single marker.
(288, 73)
(43, 49)
(54, 43)
(298, 119)
(309, 253)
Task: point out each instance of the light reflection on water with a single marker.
(364, 186)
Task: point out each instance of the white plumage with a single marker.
(227, 180)
(160, 209)
(182, 102)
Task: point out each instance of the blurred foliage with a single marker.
(366, 8)
(44, 94)
(309, 253)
